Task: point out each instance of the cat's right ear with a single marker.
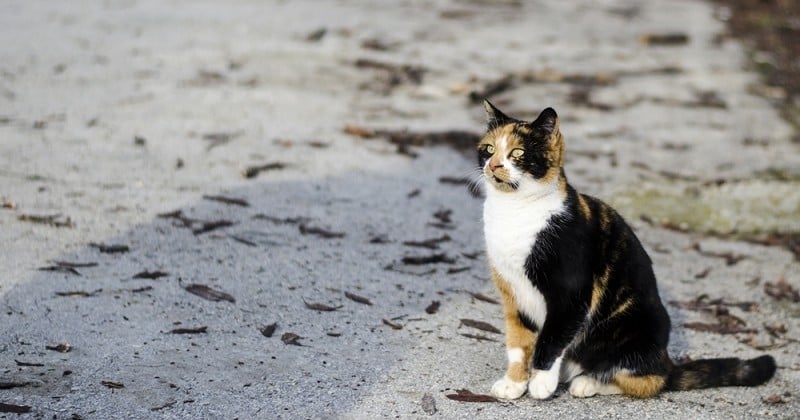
(494, 116)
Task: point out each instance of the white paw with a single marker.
(583, 386)
(543, 384)
(507, 389)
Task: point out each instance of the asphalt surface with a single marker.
(308, 290)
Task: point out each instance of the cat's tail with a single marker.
(709, 373)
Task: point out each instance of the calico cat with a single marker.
(579, 294)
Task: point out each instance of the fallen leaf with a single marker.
(208, 226)
(253, 171)
(110, 249)
(14, 408)
(321, 307)
(665, 39)
(432, 308)
(291, 339)
(781, 290)
(464, 395)
(268, 330)
(483, 326)
(112, 384)
(392, 325)
(428, 259)
(31, 364)
(357, 298)
(432, 243)
(208, 293)
(50, 220)
(323, 233)
(150, 275)
(198, 330)
(478, 337)
(79, 293)
(61, 348)
(484, 298)
(227, 200)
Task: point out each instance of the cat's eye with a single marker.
(517, 153)
(489, 149)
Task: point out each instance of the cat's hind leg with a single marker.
(639, 386)
(586, 386)
(519, 346)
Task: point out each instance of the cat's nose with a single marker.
(495, 165)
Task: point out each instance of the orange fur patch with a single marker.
(639, 386)
(517, 335)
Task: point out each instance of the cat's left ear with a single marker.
(494, 116)
(546, 123)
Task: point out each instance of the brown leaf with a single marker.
(478, 337)
(291, 339)
(456, 270)
(79, 293)
(703, 274)
(484, 298)
(50, 220)
(356, 298)
(322, 233)
(268, 330)
(392, 325)
(483, 326)
(665, 39)
(61, 348)
(781, 290)
(112, 384)
(452, 180)
(150, 275)
(321, 307)
(428, 404)
(432, 243)
(253, 171)
(432, 308)
(358, 131)
(110, 249)
(227, 200)
(30, 364)
(198, 330)
(428, 259)
(208, 226)
(14, 408)
(208, 293)
(464, 395)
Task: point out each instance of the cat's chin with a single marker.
(501, 185)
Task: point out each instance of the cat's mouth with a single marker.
(503, 185)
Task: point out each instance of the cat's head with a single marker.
(521, 156)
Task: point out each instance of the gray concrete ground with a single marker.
(114, 112)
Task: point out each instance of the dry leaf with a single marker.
(321, 307)
(356, 298)
(291, 339)
(464, 395)
(208, 293)
(432, 308)
(268, 330)
(483, 326)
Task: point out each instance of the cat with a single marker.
(579, 295)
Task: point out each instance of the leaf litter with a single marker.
(208, 293)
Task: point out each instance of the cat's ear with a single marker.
(494, 116)
(546, 123)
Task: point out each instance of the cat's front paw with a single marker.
(507, 389)
(543, 384)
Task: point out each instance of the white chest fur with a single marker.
(511, 224)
